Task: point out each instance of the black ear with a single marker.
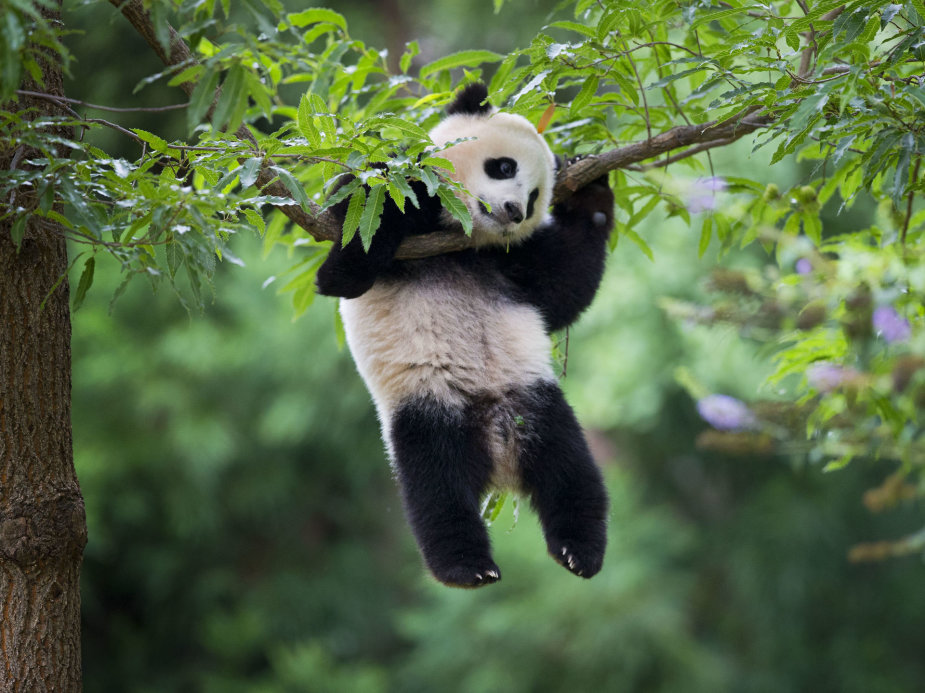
(471, 100)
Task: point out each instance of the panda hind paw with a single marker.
(583, 561)
(469, 576)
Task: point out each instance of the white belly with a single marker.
(452, 340)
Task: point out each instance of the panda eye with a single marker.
(501, 169)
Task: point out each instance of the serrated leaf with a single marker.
(584, 96)
(157, 144)
(640, 243)
(397, 196)
(354, 212)
(174, 258)
(411, 49)
(471, 58)
(255, 219)
(369, 221)
(249, 171)
(430, 180)
(456, 207)
(315, 15)
(86, 281)
(706, 232)
(190, 74)
(305, 121)
(233, 95)
(405, 126)
(576, 27)
(201, 100)
(293, 186)
(18, 230)
(402, 184)
(704, 18)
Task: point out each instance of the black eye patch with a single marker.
(531, 201)
(501, 169)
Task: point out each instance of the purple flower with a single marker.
(804, 266)
(701, 196)
(725, 413)
(826, 377)
(891, 325)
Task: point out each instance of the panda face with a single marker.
(507, 168)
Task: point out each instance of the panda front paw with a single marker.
(595, 201)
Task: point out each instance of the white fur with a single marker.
(495, 136)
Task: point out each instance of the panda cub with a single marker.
(455, 348)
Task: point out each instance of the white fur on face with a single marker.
(498, 135)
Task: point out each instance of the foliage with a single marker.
(258, 544)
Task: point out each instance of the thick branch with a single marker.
(324, 226)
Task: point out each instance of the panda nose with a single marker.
(514, 212)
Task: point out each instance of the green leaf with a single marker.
(315, 15)
(354, 212)
(174, 253)
(157, 144)
(188, 75)
(402, 184)
(456, 207)
(305, 121)
(638, 240)
(86, 280)
(706, 232)
(18, 230)
(293, 186)
(576, 27)
(397, 195)
(233, 95)
(369, 221)
(411, 49)
(584, 96)
(406, 126)
(201, 100)
(471, 58)
(249, 171)
(901, 175)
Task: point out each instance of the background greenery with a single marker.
(245, 534)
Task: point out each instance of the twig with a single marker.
(97, 107)
(909, 201)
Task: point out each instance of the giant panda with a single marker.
(455, 348)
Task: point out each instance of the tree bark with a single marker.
(42, 522)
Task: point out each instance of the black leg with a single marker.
(565, 485)
(443, 466)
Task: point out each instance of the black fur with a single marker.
(350, 271)
(472, 100)
(559, 267)
(564, 483)
(443, 465)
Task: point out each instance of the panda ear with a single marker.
(472, 101)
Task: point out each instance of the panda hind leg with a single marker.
(566, 487)
(443, 466)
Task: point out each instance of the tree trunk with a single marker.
(42, 523)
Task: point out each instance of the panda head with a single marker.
(506, 164)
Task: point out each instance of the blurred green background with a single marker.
(245, 534)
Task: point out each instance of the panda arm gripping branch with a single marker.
(559, 267)
(350, 271)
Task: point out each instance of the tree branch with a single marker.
(324, 226)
